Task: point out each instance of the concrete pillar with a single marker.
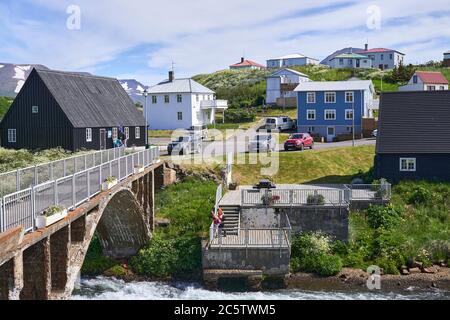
(145, 197)
(151, 200)
(59, 248)
(37, 272)
(159, 177)
(14, 294)
(78, 230)
(140, 191)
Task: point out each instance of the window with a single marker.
(311, 129)
(127, 132)
(34, 109)
(349, 114)
(330, 114)
(154, 99)
(382, 57)
(441, 88)
(137, 132)
(330, 97)
(311, 97)
(350, 129)
(88, 135)
(431, 88)
(180, 116)
(349, 97)
(341, 62)
(408, 164)
(197, 97)
(415, 79)
(391, 56)
(166, 98)
(12, 137)
(114, 133)
(311, 114)
(179, 98)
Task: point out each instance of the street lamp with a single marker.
(146, 122)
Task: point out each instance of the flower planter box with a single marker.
(138, 170)
(109, 185)
(44, 221)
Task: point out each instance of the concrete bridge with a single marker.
(45, 263)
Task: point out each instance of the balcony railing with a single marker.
(214, 104)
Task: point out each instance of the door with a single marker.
(102, 139)
(330, 134)
(358, 63)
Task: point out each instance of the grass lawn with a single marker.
(338, 165)
(387, 87)
(160, 133)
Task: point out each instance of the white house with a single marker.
(295, 59)
(181, 104)
(426, 81)
(383, 58)
(282, 83)
(351, 60)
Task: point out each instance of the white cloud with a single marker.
(205, 35)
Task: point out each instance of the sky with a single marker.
(142, 39)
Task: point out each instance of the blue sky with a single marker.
(140, 38)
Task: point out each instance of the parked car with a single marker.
(280, 123)
(299, 141)
(262, 142)
(375, 133)
(201, 131)
(185, 145)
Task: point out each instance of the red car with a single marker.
(299, 141)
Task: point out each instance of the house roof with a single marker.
(378, 50)
(275, 74)
(403, 115)
(338, 52)
(335, 86)
(248, 63)
(292, 56)
(91, 101)
(350, 56)
(179, 86)
(432, 77)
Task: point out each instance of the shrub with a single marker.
(315, 200)
(420, 196)
(325, 265)
(439, 250)
(381, 217)
(240, 115)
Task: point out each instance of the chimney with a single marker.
(171, 76)
(242, 60)
(367, 47)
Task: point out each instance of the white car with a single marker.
(375, 133)
(280, 123)
(262, 142)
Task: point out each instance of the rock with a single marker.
(415, 271)
(429, 270)
(404, 271)
(433, 285)
(414, 264)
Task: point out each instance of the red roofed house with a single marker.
(426, 81)
(247, 64)
(383, 58)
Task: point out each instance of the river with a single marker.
(102, 288)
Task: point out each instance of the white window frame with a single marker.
(325, 114)
(408, 161)
(347, 94)
(347, 111)
(166, 98)
(88, 134)
(154, 99)
(308, 113)
(127, 132)
(179, 98)
(34, 109)
(115, 133)
(330, 93)
(178, 116)
(12, 135)
(311, 94)
(137, 132)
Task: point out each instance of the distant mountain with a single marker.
(13, 76)
(134, 89)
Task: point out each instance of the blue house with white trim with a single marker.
(334, 108)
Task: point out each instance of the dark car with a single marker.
(299, 141)
(185, 145)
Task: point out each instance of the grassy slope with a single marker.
(5, 103)
(338, 165)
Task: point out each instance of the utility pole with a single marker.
(353, 120)
(146, 122)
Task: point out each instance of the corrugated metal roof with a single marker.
(292, 56)
(335, 86)
(432, 77)
(414, 122)
(275, 74)
(179, 86)
(90, 101)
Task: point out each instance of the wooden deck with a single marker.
(264, 239)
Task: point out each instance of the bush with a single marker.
(420, 196)
(439, 250)
(315, 200)
(381, 217)
(240, 115)
(325, 265)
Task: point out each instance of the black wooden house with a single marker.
(73, 111)
(413, 140)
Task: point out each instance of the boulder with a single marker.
(430, 270)
(415, 270)
(404, 271)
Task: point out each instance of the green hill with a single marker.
(5, 103)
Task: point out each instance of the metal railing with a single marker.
(380, 192)
(25, 178)
(22, 207)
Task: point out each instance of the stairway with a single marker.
(231, 219)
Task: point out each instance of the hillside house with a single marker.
(181, 104)
(402, 152)
(73, 111)
(290, 60)
(351, 60)
(333, 108)
(281, 85)
(247, 65)
(426, 81)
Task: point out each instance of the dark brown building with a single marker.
(73, 111)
